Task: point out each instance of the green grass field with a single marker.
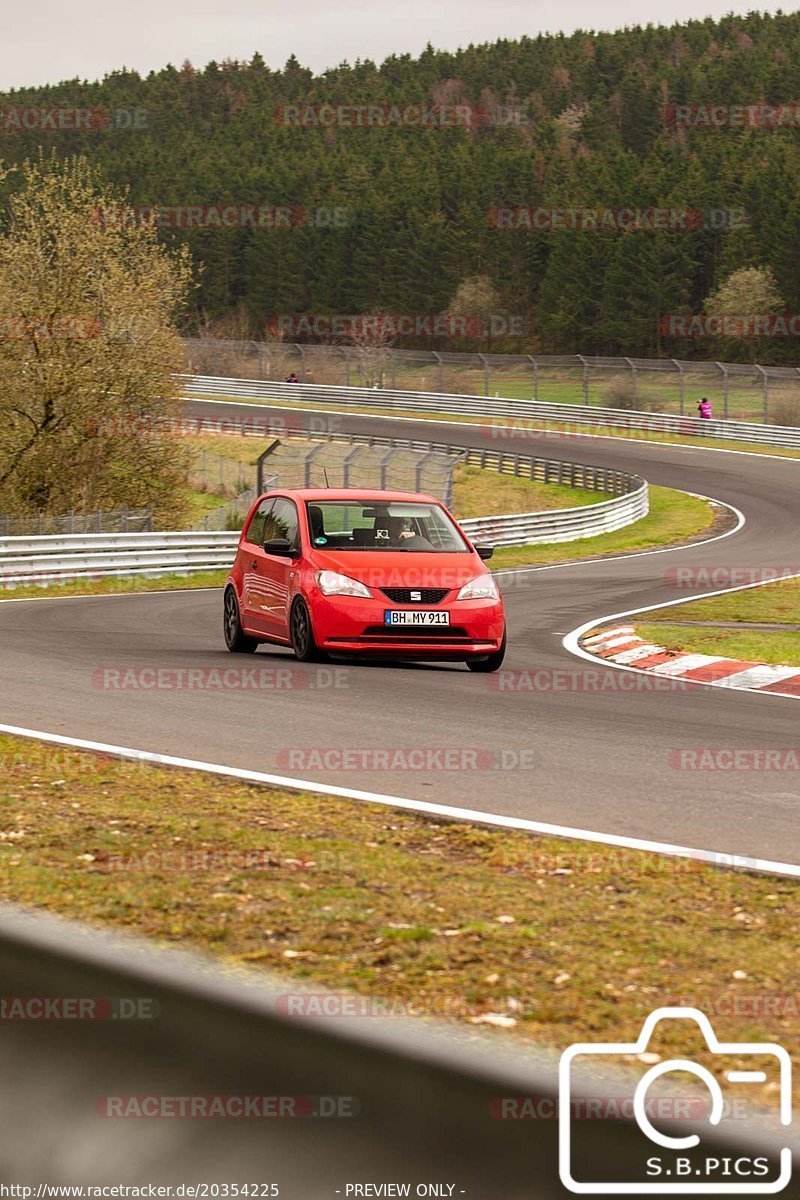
(656, 390)
(550, 382)
(772, 604)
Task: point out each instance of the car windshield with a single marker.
(357, 524)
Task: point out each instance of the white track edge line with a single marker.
(571, 640)
(716, 858)
(593, 562)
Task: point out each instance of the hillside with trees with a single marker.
(404, 215)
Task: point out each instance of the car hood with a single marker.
(384, 568)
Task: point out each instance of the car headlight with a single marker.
(483, 587)
(331, 583)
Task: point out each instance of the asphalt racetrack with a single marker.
(549, 745)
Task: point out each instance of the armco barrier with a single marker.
(198, 386)
(60, 557)
(412, 1102)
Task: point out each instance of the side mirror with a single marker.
(484, 552)
(280, 546)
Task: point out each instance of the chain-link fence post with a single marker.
(485, 365)
(384, 465)
(532, 359)
(348, 460)
(724, 388)
(585, 366)
(682, 383)
(634, 381)
(765, 391)
(308, 463)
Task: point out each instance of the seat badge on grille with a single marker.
(416, 595)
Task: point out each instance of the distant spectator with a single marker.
(292, 378)
(704, 408)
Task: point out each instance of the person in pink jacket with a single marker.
(704, 408)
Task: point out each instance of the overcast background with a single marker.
(49, 41)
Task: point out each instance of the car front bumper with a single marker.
(355, 625)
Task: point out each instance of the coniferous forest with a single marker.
(401, 217)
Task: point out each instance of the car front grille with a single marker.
(415, 595)
(419, 633)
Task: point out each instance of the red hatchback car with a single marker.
(347, 571)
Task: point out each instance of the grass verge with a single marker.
(674, 518)
(478, 492)
(541, 937)
(772, 604)
(757, 646)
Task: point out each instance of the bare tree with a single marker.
(476, 297)
(88, 348)
(372, 338)
(751, 291)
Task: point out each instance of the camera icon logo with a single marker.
(683, 1165)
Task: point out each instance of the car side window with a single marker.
(255, 530)
(283, 522)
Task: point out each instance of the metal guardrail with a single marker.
(746, 390)
(62, 558)
(558, 525)
(57, 558)
(418, 1102)
(538, 413)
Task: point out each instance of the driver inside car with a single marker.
(408, 539)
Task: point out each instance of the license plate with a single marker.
(417, 616)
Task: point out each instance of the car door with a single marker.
(279, 569)
(255, 578)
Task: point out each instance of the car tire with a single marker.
(301, 634)
(492, 662)
(236, 639)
